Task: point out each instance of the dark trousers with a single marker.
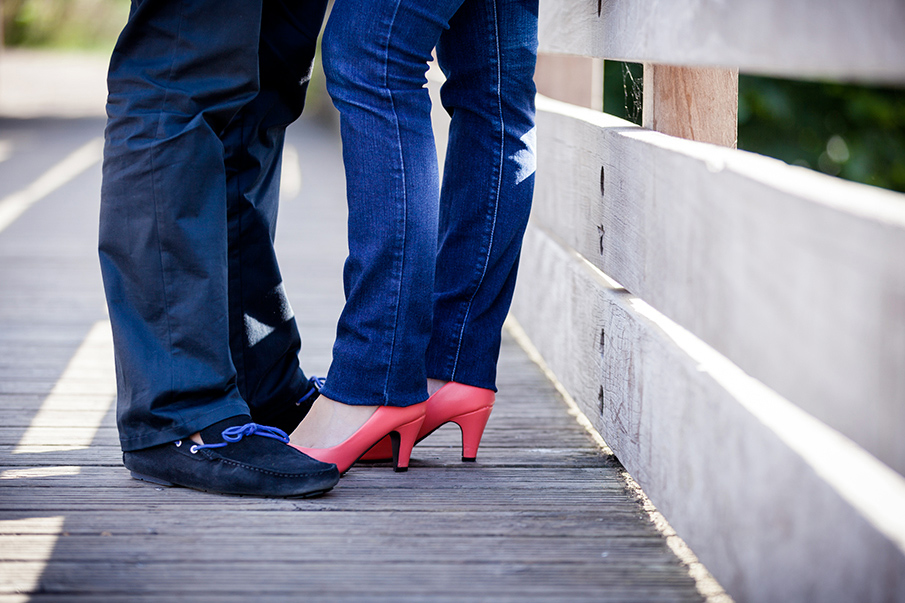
(200, 94)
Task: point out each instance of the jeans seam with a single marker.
(401, 269)
(496, 197)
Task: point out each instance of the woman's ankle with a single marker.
(329, 423)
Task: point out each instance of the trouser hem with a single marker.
(157, 437)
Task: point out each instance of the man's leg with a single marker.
(264, 338)
(180, 72)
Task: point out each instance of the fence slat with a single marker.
(797, 277)
(836, 39)
(776, 505)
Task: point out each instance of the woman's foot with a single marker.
(468, 407)
(341, 433)
(329, 423)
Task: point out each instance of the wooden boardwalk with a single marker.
(544, 515)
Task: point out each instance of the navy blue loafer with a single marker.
(237, 457)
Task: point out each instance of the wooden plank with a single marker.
(717, 452)
(692, 103)
(232, 597)
(361, 578)
(134, 548)
(427, 455)
(832, 39)
(576, 80)
(285, 523)
(793, 275)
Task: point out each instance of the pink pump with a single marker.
(398, 425)
(468, 407)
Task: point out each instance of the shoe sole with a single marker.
(162, 482)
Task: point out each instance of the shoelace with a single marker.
(317, 383)
(234, 434)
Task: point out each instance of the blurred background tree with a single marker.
(69, 24)
(851, 131)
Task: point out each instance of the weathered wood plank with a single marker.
(716, 451)
(426, 455)
(328, 597)
(479, 548)
(797, 277)
(799, 38)
(531, 581)
(289, 523)
(692, 103)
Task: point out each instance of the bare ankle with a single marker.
(329, 423)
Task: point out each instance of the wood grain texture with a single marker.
(692, 103)
(796, 277)
(831, 39)
(722, 456)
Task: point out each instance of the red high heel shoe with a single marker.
(399, 425)
(468, 407)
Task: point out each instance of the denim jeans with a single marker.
(200, 93)
(430, 273)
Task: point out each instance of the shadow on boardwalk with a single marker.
(544, 515)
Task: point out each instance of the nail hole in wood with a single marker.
(600, 394)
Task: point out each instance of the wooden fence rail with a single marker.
(733, 326)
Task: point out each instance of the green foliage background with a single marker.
(851, 131)
(75, 24)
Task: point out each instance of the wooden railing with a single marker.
(732, 325)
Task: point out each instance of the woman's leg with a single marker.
(375, 57)
(488, 55)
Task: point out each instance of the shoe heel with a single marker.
(148, 478)
(403, 440)
(472, 425)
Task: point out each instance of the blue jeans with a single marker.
(430, 273)
(200, 93)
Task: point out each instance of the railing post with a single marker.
(693, 103)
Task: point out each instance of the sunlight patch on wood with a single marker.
(24, 577)
(14, 205)
(96, 352)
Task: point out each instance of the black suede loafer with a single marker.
(237, 457)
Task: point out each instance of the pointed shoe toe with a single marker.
(398, 424)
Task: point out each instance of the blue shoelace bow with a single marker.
(317, 383)
(232, 435)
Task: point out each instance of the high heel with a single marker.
(466, 406)
(399, 425)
